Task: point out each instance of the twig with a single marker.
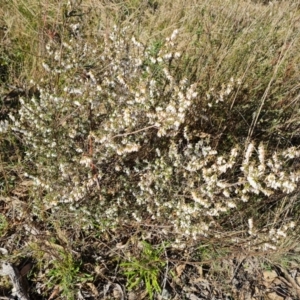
(16, 279)
(134, 132)
(290, 279)
(237, 269)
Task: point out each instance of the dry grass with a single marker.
(248, 48)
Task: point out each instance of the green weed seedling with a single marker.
(65, 273)
(145, 269)
(3, 225)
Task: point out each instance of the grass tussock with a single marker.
(144, 141)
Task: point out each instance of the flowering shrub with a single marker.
(115, 137)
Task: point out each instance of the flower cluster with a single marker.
(223, 93)
(111, 139)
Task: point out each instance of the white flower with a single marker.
(46, 67)
(269, 246)
(281, 233)
(176, 124)
(199, 200)
(168, 56)
(174, 34)
(231, 204)
(245, 198)
(73, 91)
(250, 223)
(294, 177)
(292, 224)
(228, 90)
(177, 55)
(171, 109)
(249, 152)
(153, 60)
(253, 183)
(288, 186)
(226, 194)
(261, 153)
(3, 126)
(272, 181)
